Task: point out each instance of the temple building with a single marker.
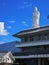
(34, 43)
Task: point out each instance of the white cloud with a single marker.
(26, 5)
(21, 7)
(9, 27)
(24, 23)
(25, 2)
(12, 21)
(2, 30)
(29, 5)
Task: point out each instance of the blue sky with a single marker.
(17, 16)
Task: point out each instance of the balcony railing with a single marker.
(32, 53)
(33, 43)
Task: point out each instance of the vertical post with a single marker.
(43, 62)
(39, 61)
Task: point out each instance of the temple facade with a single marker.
(34, 45)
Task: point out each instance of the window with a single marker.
(42, 37)
(22, 49)
(31, 38)
(25, 39)
(44, 47)
(46, 36)
(39, 37)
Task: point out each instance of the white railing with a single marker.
(34, 43)
(33, 56)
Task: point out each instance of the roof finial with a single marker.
(35, 18)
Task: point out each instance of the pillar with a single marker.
(39, 61)
(43, 62)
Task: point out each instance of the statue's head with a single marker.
(35, 9)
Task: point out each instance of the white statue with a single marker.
(35, 18)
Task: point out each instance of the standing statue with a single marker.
(35, 18)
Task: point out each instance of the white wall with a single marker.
(6, 59)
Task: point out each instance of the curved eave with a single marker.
(28, 44)
(32, 31)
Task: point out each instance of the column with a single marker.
(39, 61)
(43, 62)
(28, 39)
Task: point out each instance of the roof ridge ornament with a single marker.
(35, 18)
